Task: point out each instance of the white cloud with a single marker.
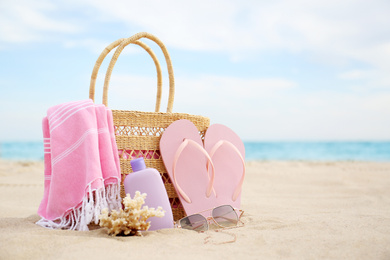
(324, 26)
(97, 46)
(130, 92)
(356, 74)
(330, 31)
(232, 88)
(279, 109)
(26, 21)
(367, 80)
(205, 92)
(317, 116)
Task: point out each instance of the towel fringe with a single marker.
(93, 202)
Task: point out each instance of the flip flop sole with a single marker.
(186, 165)
(227, 152)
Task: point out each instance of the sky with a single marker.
(280, 70)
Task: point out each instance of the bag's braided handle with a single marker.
(118, 51)
(105, 53)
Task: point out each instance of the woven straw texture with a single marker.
(138, 133)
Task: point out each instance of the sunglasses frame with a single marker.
(177, 223)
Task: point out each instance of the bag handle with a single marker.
(132, 39)
(107, 50)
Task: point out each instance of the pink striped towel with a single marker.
(82, 171)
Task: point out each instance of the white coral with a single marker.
(132, 219)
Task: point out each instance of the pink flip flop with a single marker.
(186, 162)
(227, 153)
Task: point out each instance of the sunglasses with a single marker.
(224, 216)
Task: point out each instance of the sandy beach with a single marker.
(293, 210)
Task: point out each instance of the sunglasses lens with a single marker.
(225, 216)
(194, 222)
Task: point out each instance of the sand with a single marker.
(293, 210)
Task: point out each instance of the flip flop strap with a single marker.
(237, 191)
(179, 151)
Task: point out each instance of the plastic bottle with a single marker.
(149, 181)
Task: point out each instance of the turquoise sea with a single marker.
(311, 151)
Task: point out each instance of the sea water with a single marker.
(21, 150)
(318, 151)
(311, 151)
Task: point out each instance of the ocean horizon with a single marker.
(259, 150)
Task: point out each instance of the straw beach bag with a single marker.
(138, 133)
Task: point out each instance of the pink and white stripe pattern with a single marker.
(82, 170)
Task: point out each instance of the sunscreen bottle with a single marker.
(149, 181)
